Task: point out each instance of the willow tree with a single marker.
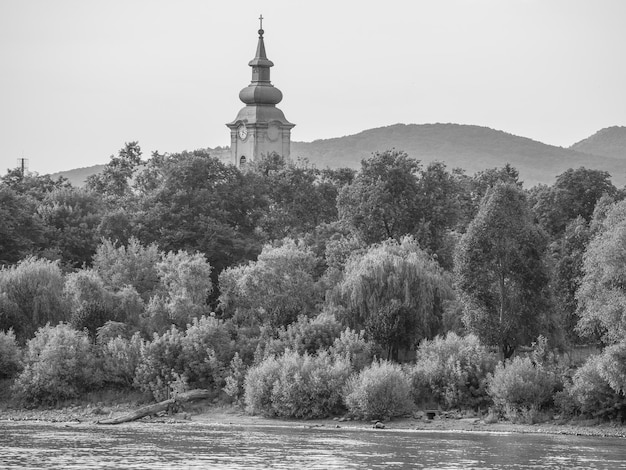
(500, 271)
(394, 291)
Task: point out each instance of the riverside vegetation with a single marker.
(305, 293)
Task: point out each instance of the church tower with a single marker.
(260, 128)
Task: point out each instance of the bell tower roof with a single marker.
(261, 94)
(260, 59)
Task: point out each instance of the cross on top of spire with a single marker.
(261, 25)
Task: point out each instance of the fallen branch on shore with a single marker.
(192, 395)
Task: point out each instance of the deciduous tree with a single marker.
(500, 271)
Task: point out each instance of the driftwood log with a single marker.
(192, 395)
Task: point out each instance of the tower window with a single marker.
(242, 160)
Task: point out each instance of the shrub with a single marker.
(91, 305)
(235, 380)
(197, 357)
(10, 354)
(379, 391)
(31, 295)
(521, 388)
(258, 386)
(359, 351)
(59, 365)
(120, 357)
(207, 351)
(161, 362)
(297, 385)
(452, 371)
(306, 335)
(591, 393)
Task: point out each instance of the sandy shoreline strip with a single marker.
(232, 416)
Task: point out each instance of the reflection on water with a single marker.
(157, 446)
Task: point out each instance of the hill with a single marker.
(608, 142)
(78, 176)
(472, 148)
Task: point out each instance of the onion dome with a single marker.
(260, 91)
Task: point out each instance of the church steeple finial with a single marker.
(261, 25)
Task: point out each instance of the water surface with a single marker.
(159, 446)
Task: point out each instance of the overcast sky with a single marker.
(79, 78)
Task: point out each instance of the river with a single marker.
(33, 445)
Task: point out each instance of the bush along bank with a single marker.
(282, 376)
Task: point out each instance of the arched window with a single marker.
(242, 160)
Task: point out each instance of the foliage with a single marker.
(275, 289)
(31, 295)
(131, 264)
(191, 201)
(10, 355)
(395, 292)
(306, 335)
(356, 348)
(71, 218)
(297, 385)
(59, 364)
(300, 197)
(119, 358)
(452, 371)
(20, 231)
(161, 363)
(566, 256)
(235, 380)
(379, 391)
(574, 194)
(91, 305)
(383, 200)
(602, 293)
(115, 178)
(500, 271)
(196, 357)
(520, 388)
(591, 392)
(186, 281)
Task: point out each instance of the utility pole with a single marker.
(22, 164)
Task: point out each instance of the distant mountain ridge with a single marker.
(608, 142)
(473, 148)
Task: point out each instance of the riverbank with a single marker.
(217, 415)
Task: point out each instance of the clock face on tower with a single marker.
(242, 131)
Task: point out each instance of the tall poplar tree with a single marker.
(500, 271)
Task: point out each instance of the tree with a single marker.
(299, 197)
(574, 193)
(20, 231)
(114, 181)
(71, 218)
(32, 185)
(383, 200)
(602, 293)
(275, 289)
(566, 256)
(191, 201)
(441, 210)
(395, 291)
(500, 270)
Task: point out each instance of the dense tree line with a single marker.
(181, 247)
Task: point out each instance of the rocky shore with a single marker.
(232, 416)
